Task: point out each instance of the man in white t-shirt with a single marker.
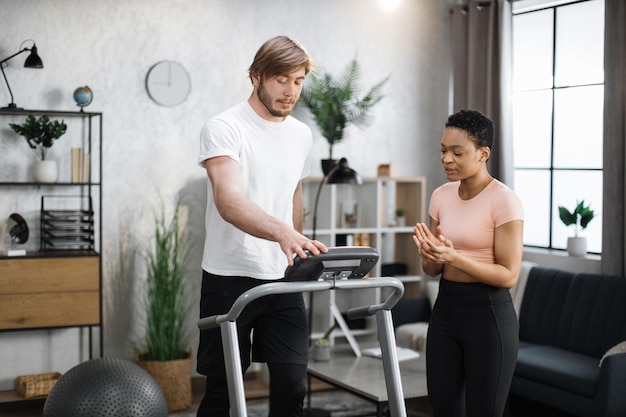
(255, 155)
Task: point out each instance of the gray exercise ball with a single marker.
(106, 387)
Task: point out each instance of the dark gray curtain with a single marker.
(482, 66)
(614, 172)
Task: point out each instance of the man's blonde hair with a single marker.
(280, 55)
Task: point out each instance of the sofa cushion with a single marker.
(570, 371)
(582, 313)
(517, 291)
(412, 336)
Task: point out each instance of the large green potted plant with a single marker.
(166, 354)
(579, 218)
(40, 135)
(335, 103)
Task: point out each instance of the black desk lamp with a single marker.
(32, 61)
(340, 174)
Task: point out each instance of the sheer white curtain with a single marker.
(614, 164)
(482, 65)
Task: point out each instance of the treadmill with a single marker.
(341, 268)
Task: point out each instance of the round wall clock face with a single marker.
(168, 83)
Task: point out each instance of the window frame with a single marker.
(531, 6)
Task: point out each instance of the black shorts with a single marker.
(281, 332)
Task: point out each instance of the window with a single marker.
(558, 100)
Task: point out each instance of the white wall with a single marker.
(150, 151)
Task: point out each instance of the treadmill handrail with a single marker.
(272, 288)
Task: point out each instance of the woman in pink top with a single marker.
(475, 242)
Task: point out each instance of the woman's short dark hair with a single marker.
(478, 126)
(278, 56)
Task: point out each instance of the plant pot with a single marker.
(321, 354)
(45, 171)
(577, 246)
(328, 165)
(174, 378)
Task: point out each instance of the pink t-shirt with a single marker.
(471, 224)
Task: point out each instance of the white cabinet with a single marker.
(365, 215)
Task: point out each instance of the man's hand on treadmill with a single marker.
(293, 243)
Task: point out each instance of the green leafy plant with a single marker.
(323, 341)
(334, 103)
(580, 217)
(40, 133)
(166, 304)
(399, 212)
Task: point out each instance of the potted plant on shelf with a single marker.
(579, 218)
(166, 354)
(321, 346)
(334, 104)
(40, 135)
(400, 220)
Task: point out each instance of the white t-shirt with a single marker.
(273, 159)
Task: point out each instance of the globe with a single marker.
(83, 96)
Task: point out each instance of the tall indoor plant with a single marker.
(40, 135)
(579, 218)
(166, 354)
(334, 103)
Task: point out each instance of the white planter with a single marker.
(577, 246)
(321, 354)
(45, 171)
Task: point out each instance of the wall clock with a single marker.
(168, 83)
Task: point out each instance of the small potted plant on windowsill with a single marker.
(579, 218)
(40, 135)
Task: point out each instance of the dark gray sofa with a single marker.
(568, 321)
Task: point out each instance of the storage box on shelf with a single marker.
(57, 284)
(365, 215)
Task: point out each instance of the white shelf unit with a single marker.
(376, 200)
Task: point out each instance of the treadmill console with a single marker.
(340, 262)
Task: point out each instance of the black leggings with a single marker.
(471, 350)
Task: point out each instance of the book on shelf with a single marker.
(352, 239)
(80, 166)
(360, 239)
(77, 161)
(85, 168)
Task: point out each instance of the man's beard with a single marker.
(266, 100)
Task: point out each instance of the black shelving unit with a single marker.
(59, 244)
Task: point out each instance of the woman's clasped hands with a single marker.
(435, 249)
